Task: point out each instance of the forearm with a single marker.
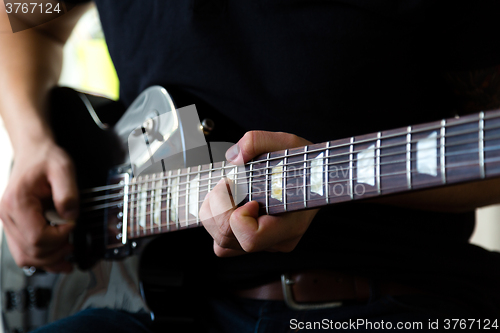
(30, 66)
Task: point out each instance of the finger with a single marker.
(62, 179)
(254, 143)
(215, 214)
(39, 233)
(245, 224)
(227, 252)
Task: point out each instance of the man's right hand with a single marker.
(42, 171)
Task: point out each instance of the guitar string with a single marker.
(148, 211)
(149, 231)
(372, 140)
(268, 171)
(182, 189)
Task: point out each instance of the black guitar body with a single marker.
(91, 130)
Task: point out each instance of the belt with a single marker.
(316, 289)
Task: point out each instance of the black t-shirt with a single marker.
(322, 70)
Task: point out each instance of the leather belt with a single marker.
(320, 286)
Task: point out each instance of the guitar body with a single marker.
(96, 133)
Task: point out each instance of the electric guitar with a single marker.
(148, 174)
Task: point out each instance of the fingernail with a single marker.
(232, 152)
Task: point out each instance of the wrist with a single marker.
(30, 134)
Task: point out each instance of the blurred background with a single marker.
(87, 66)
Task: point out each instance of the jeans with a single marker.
(231, 314)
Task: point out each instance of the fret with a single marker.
(250, 183)
(267, 183)
(132, 207)
(408, 158)
(351, 166)
(285, 162)
(442, 151)
(196, 204)
(481, 145)
(462, 149)
(327, 175)
(169, 182)
(186, 200)
(144, 199)
(304, 173)
(125, 208)
(377, 162)
(138, 208)
(177, 195)
(158, 201)
(152, 203)
(210, 178)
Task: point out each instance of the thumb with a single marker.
(62, 179)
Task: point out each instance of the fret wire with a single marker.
(235, 196)
(210, 178)
(327, 177)
(146, 205)
(137, 210)
(423, 129)
(408, 157)
(125, 209)
(153, 193)
(351, 149)
(442, 151)
(267, 184)
(198, 196)
(169, 183)
(481, 145)
(132, 202)
(161, 196)
(304, 180)
(250, 189)
(285, 161)
(186, 200)
(377, 169)
(177, 197)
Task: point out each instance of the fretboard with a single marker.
(414, 157)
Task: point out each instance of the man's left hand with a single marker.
(241, 230)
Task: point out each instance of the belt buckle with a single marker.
(286, 285)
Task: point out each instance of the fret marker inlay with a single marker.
(277, 182)
(194, 194)
(427, 155)
(317, 175)
(366, 166)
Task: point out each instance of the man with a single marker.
(322, 71)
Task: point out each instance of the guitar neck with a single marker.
(414, 157)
